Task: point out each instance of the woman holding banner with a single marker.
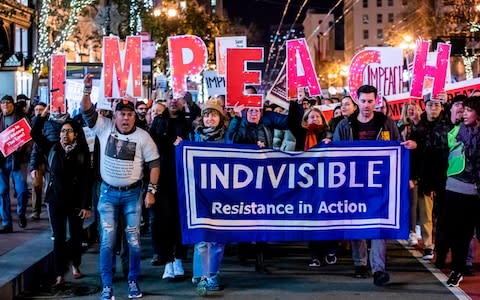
(462, 195)
(68, 191)
(310, 128)
(208, 256)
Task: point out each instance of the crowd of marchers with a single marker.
(124, 179)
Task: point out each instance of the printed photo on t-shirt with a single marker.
(120, 149)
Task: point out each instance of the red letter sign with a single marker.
(238, 77)
(438, 72)
(300, 70)
(57, 83)
(117, 68)
(188, 56)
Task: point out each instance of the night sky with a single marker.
(266, 13)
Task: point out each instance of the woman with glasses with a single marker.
(68, 192)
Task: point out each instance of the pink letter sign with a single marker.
(188, 56)
(116, 67)
(57, 83)
(438, 72)
(359, 62)
(300, 70)
(14, 137)
(238, 77)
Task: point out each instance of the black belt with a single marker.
(126, 187)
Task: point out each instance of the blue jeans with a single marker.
(377, 254)
(20, 185)
(207, 257)
(111, 203)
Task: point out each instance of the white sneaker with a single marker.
(168, 273)
(412, 239)
(178, 268)
(418, 232)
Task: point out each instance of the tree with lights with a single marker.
(57, 19)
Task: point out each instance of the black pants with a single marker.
(166, 232)
(461, 216)
(64, 250)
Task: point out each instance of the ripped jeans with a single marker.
(111, 203)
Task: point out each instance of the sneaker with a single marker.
(331, 259)
(454, 279)
(168, 273)
(178, 268)
(196, 280)
(213, 283)
(427, 254)
(361, 272)
(469, 271)
(155, 260)
(134, 290)
(380, 278)
(412, 239)
(107, 293)
(202, 287)
(22, 222)
(314, 263)
(35, 216)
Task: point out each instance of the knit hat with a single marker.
(212, 104)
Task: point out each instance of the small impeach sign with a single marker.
(14, 137)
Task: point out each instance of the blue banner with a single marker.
(341, 191)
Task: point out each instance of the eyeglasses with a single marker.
(66, 130)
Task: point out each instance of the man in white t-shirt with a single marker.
(124, 150)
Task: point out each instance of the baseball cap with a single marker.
(125, 104)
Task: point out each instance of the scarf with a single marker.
(68, 148)
(311, 139)
(470, 137)
(211, 134)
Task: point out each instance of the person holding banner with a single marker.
(208, 256)
(11, 166)
(367, 124)
(462, 196)
(310, 128)
(68, 191)
(256, 128)
(122, 184)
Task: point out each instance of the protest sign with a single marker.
(57, 83)
(422, 70)
(14, 137)
(188, 57)
(122, 70)
(215, 84)
(300, 70)
(221, 46)
(238, 77)
(344, 190)
(381, 67)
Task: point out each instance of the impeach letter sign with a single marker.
(14, 137)
(338, 191)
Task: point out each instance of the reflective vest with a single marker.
(456, 157)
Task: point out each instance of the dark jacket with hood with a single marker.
(347, 129)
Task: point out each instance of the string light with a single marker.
(467, 62)
(44, 49)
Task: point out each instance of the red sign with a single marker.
(14, 137)
(57, 83)
(238, 77)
